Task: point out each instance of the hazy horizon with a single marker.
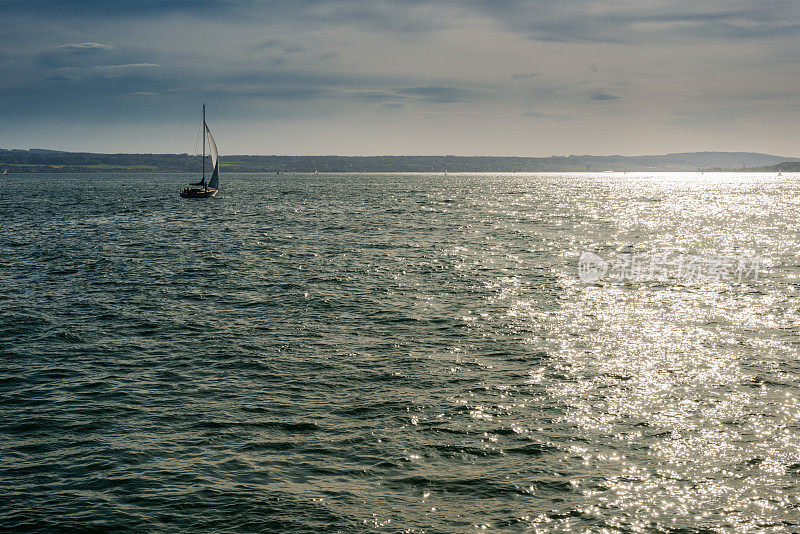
(514, 78)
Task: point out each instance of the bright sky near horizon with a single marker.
(350, 77)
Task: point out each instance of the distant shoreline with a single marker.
(54, 162)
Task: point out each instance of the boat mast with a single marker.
(204, 148)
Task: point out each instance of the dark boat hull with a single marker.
(198, 193)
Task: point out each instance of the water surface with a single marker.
(397, 352)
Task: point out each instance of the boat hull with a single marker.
(198, 193)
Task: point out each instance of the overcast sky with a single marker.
(472, 77)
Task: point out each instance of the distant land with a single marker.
(785, 166)
(51, 161)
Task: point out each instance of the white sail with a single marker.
(212, 148)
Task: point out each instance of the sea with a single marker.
(449, 353)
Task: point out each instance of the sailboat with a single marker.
(202, 189)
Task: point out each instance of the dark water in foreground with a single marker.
(398, 352)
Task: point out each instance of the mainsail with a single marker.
(212, 147)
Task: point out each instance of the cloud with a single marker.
(428, 95)
(376, 96)
(85, 46)
(127, 66)
(545, 20)
(85, 54)
(97, 73)
(648, 20)
(553, 116)
(381, 15)
(279, 44)
(267, 92)
(601, 96)
(101, 8)
(525, 76)
(435, 94)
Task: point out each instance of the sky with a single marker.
(381, 77)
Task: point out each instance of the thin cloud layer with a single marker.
(85, 46)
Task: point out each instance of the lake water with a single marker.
(401, 352)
